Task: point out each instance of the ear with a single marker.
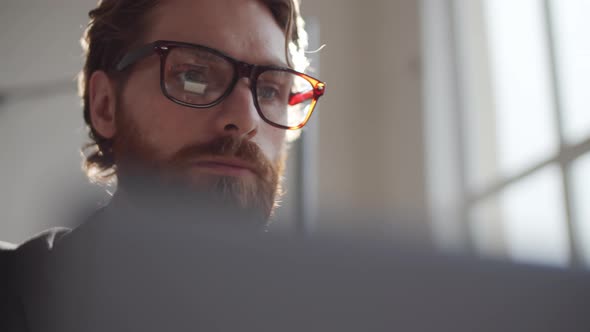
(102, 101)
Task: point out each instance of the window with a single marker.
(517, 132)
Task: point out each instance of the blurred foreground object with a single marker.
(105, 276)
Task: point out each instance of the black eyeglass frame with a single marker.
(241, 69)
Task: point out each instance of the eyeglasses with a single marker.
(201, 77)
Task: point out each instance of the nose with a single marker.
(237, 115)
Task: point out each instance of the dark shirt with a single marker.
(11, 312)
(66, 280)
(121, 272)
(16, 262)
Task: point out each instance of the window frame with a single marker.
(447, 18)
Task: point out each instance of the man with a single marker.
(186, 98)
(188, 103)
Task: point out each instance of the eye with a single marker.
(267, 92)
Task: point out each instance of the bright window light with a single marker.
(534, 219)
(572, 27)
(520, 67)
(581, 189)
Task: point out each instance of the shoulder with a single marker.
(11, 311)
(35, 249)
(44, 241)
(12, 255)
(6, 252)
(14, 260)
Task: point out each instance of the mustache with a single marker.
(226, 146)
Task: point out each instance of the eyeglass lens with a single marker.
(200, 77)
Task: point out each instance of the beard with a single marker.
(171, 182)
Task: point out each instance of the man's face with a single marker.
(227, 150)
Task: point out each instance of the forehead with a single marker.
(243, 29)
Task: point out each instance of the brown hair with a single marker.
(114, 26)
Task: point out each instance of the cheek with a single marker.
(272, 142)
(163, 125)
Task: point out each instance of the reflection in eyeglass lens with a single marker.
(197, 76)
(195, 79)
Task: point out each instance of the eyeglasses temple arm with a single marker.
(131, 58)
(297, 98)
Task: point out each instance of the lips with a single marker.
(225, 166)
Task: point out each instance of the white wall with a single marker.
(40, 118)
(371, 165)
